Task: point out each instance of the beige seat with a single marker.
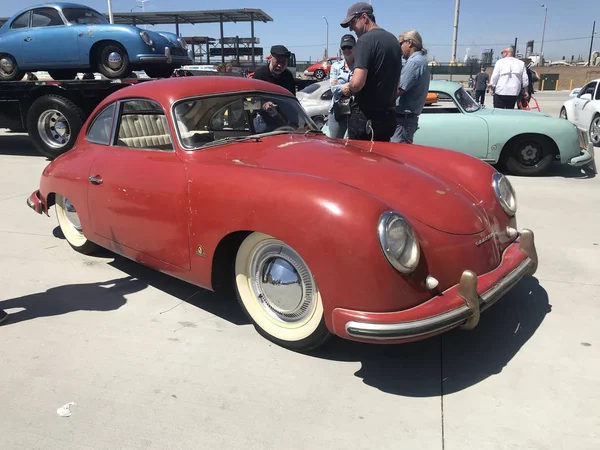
(145, 131)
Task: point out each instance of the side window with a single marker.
(327, 95)
(445, 105)
(99, 131)
(588, 89)
(597, 97)
(20, 22)
(46, 17)
(143, 124)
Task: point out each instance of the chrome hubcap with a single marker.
(7, 65)
(563, 114)
(282, 283)
(54, 129)
(72, 217)
(114, 61)
(595, 131)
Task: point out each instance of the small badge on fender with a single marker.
(200, 251)
(484, 240)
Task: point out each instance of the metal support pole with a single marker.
(222, 39)
(326, 37)
(591, 44)
(515, 48)
(455, 38)
(177, 26)
(543, 35)
(252, 37)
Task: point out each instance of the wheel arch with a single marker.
(517, 137)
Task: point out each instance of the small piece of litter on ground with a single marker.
(65, 411)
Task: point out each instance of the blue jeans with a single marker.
(405, 130)
(337, 130)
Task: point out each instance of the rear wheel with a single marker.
(279, 294)
(529, 156)
(9, 69)
(70, 225)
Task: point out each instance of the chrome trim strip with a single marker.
(405, 330)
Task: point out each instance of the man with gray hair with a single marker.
(509, 80)
(413, 87)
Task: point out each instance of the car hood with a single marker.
(408, 189)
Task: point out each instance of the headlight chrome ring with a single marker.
(183, 44)
(146, 37)
(398, 242)
(505, 193)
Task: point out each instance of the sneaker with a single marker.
(3, 315)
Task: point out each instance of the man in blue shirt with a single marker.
(413, 88)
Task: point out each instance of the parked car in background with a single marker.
(526, 142)
(66, 38)
(583, 110)
(321, 69)
(316, 100)
(226, 182)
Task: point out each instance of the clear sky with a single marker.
(300, 25)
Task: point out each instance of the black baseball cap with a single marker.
(355, 10)
(280, 50)
(347, 41)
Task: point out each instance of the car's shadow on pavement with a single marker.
(100, 296)
(17, 144)
(559, 171)
(453, 361)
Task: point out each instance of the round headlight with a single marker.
(505, 193)
(398, 242)
(182, 42)
(146, 37)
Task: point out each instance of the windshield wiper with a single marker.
(313, 131)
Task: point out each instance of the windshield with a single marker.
(206, 121)
(83, 16)
(466, 101)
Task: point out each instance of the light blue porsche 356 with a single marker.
(527, 142)
(66, 38)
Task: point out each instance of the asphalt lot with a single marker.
(151, 362)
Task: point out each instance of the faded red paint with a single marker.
(321, 196)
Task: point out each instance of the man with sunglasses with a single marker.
(374, 82)
(276, 71)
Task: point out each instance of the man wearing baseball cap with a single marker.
(276, 71)
(374, 83)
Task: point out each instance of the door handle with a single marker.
(27, 39)
(95, 180)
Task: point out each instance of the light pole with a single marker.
(326, 37)
(110, 16)
(543, 34)
(592, 44)
(455, 37)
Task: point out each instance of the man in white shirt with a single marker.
(509, 80)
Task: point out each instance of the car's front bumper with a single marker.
(167, 58)
(586, 157)
(35, 202)
(472, 295)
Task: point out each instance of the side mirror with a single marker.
(586, 97)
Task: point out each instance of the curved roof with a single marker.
(169, 90)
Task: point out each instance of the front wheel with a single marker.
(70, 225)
(529, 156)
(319, 74)
(595, 131)
(113, 61)
(279, 294)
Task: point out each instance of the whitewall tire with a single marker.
(70, 225)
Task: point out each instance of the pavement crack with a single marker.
(13, 196)
(570, 282)
(182, 301)
(24, 234)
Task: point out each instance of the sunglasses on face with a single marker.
(346, 48)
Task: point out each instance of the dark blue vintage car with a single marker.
(66, 38)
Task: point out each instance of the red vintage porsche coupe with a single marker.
(226, 181)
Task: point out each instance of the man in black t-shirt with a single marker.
(374, 83)
(276, 71)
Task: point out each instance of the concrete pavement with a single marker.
(152, 362)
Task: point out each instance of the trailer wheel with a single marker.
(53, 123)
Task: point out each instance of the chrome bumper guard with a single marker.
(467, 316)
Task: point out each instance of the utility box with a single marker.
(548, 81)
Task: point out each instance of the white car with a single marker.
(583, 110)
(316, 101)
